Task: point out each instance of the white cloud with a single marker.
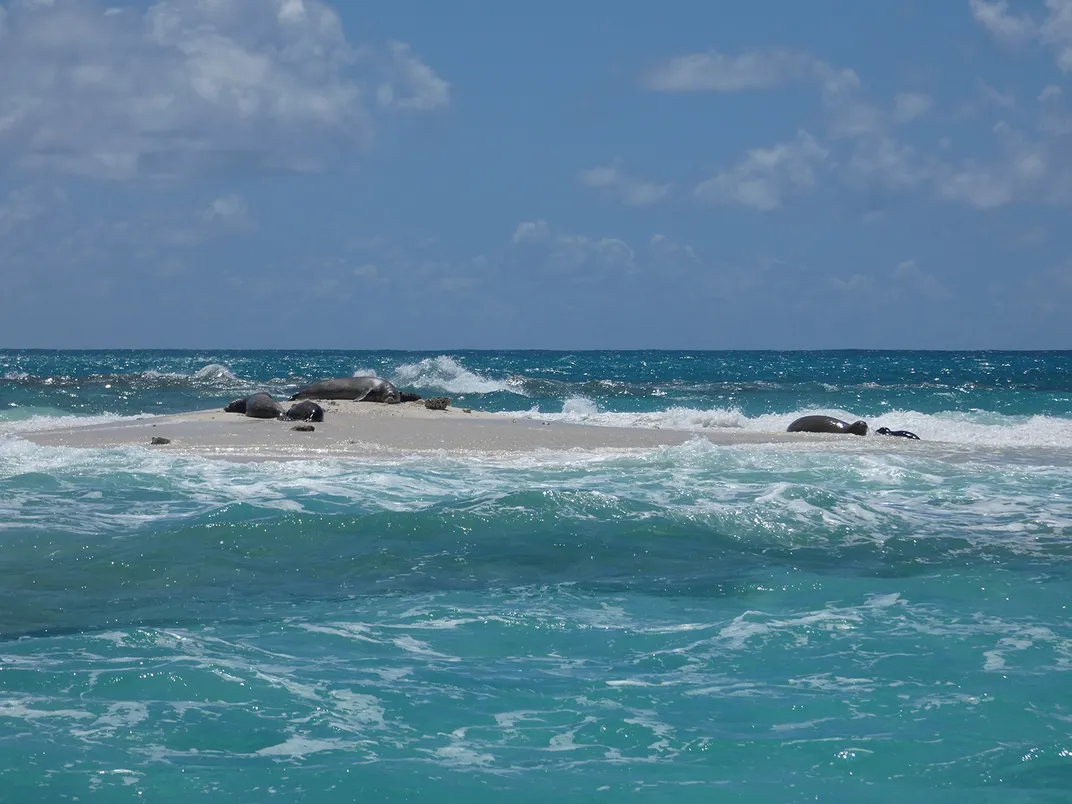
(910, 105)
(571, 250)
(1050, 92)
(186, 87)
(578, 249)
(918, 281)
(995, 17)
(411, 84)
(1003, 100)
(21, 207)
(849, 114)
(531, 231)
(855, 285)
(718, 72)
(1055, 30)
(885, 162)
(1027, 170)
(631, 191)
(670, 254)
(906, 278)
(228, 210)
(1055, 120)
(766, 177)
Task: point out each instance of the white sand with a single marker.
(361, 428)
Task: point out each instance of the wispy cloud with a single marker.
(228, 211)
(994, 15)
(767, 176)
(1017, 29)
(573, 250)
(410, 83)
(630, 191)
(720, 72)
(908, 106)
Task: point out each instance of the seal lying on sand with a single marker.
(826, 424)
(305, 412)
(364, 389)
(258, 406)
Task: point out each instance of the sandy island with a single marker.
(360, 428)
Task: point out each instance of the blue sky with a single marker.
(419, 175)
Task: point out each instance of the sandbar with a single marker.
(363, 428)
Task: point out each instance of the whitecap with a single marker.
(446, 374)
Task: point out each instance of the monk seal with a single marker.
(306, 411)
(262, 406)
(258, 406)
(826, 424)
(364, 389)
(901, 433)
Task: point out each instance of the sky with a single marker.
(392, 174)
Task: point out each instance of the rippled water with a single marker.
(696, 623)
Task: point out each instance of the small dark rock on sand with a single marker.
(158, 440)
(437, 403)
(303, 428)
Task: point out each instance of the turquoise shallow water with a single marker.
(697, 623)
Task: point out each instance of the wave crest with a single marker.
(444, 373)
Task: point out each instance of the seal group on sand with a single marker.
(828, 424)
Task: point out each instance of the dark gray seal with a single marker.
(262, 406)
(826, 424)
(364, 389)
(901, 433)
(306, 411)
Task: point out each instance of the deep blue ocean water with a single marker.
(778, 623)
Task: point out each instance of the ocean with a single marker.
(765, 623)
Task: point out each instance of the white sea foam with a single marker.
(447, 374)
(22, 420)
(214, 372)
(579, 409)
(980, 427)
